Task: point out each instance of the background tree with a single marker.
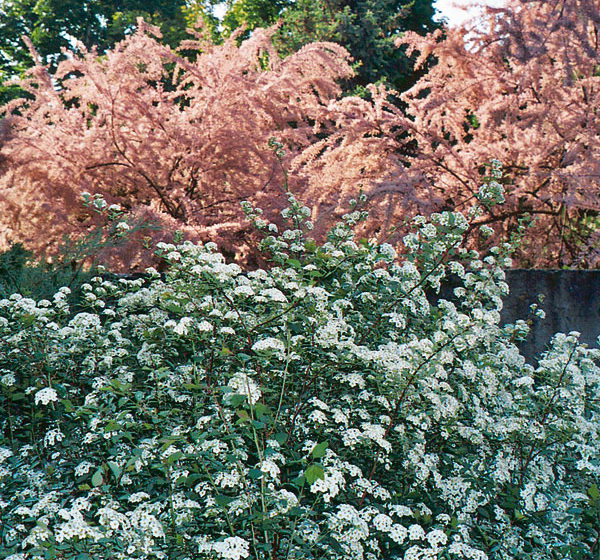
(527, 93)
(524, 90)
(54, 24)
(366, 28)
(252, 14)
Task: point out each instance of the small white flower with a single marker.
(274, 295)
(269, 467)
(8, 379)
(232, 548)
(318, 416)
(52, 437)
(387, 251)
(436, 537)
(383, 523)
(242, 384)
(83, 468)
(138, 497)
(243, 290)
(416, 532)
(46, 396)
(205, 326)
(267, 344)
(182, 327)
(398, 533)
(5, 453)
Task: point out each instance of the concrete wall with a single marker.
(571, 302)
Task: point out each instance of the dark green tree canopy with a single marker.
(53, 24)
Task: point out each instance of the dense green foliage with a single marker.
(53, 24)
(56, 24)
(20, 273)
(320, 409)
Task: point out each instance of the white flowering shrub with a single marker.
(324, 408)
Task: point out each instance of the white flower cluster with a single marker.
(45, 396)
(331, 409)
(242, 384)
(268, 344)
(230, 548)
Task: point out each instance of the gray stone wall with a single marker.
(571, 302)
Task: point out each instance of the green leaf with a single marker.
(594, 492)
(310, 246)
(296, 327)
(67, 404)
(174, 457)
(130, 465)
(242, 415)
(335, 545)
(223, 500)
(97, 479)
(237, 400)
(261, 410)
(280, 437)
(314, 472)
(112, 426)
(253, 474)
(192, 479)
(518, 515)
(299, 481)
(319, 450)
(115, 469)
(294, 263)
(194, 386)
